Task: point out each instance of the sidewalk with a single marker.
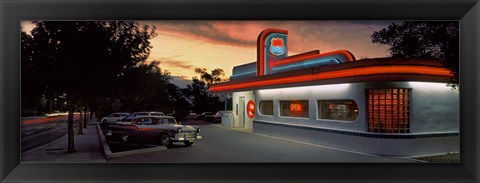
(88, 147)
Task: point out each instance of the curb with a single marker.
(108, 153)
(103, 142)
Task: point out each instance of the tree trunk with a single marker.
(71, 143)
(80, 123)
(84, 116)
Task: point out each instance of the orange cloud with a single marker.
(175, 63)
(303, 35)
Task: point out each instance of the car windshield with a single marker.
(166, 121)
(127, 118)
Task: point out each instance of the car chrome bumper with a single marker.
(183, 138)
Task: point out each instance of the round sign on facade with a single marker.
(250, 109)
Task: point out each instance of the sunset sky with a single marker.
(183, 45)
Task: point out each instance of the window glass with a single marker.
(344, 110)
(167, 121)
(388, 110)
(266, 107)
(128, 118)
(294, 108)
(144, 121)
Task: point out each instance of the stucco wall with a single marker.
(380, 146)
(236, 112)
(434, 106)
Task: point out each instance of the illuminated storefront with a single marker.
(382, 106)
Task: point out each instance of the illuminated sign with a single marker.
(277, 46)
(295, 107)
(250, 109)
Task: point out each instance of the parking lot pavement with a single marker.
(219, 145)
(223, 145)
(87, 146)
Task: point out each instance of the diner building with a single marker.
(383, 106)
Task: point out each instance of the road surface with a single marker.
(38, 131)
(222, 145)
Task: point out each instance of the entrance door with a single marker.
(241, 111)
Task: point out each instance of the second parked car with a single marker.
(203, 115)
(150, 113)
(114, 117)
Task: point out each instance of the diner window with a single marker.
(388, 110)
(294, 108)
(344, 110)
(266, 107)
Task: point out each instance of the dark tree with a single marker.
(198, 93)
(437, 40)
(84, 60)
(216, 75)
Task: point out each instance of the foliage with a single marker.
(434, 40)
(216, 75)
(198, 93)
(82, 60)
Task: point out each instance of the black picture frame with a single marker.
(12, 12)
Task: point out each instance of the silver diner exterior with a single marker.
(383, 106)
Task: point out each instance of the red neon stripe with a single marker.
(289, 60)
(146, 129)
(373, 70)
(261, 47)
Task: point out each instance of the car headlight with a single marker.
(199, 129)
(179, 130)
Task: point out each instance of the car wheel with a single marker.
(104, 121)
(187, 143)
(165, 140)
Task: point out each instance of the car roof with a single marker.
(148, 112)
(153, 117)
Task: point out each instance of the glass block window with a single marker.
(388, 110)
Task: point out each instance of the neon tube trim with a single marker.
(306, 63)
(288, 60)
(251, 72)
(373, 70)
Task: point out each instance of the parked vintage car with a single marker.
(214, 118)
(203, 115)
(161, 130)
(114, 117)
